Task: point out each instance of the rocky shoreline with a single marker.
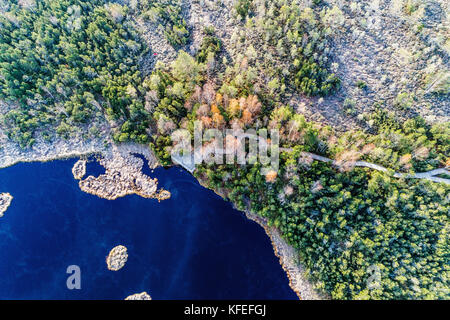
(298, 280)
(11, 154)
(5, 202)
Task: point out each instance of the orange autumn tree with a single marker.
(207, 122)
(243, 110)
(233, 108)
(215, 109)
(218, 120)
(271, 176)
(247, 117)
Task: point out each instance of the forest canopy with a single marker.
(67, 62)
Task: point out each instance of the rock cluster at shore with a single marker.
(117, 258)
(123, 175)
(5, 201)
(79, 169)
(139, 296)
(296, 272)
(298, 280)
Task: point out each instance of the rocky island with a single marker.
(117, 258)
(79, 169)
(5, 202)
(123, 175)
(139, 296)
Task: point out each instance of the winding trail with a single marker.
(429, 175)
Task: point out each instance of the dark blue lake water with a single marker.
(192, 246)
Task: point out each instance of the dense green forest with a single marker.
(68, 62)
(66, 70)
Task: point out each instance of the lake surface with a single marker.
(192, 246)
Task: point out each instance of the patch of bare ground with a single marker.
(384, 54)
(198, 14)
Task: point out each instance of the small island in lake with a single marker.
(117, 258)
(139, 296)
(79, 169)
